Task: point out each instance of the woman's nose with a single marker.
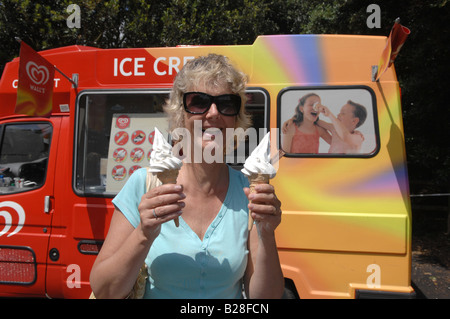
(213, 111)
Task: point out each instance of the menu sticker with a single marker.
(137, 154)
(120, 155)
(121, 138)
(130, 145)
(119, 172)
(123, 121)
(138, 137)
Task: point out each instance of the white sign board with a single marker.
(130, 145)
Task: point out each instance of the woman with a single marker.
(211, 252)
(301, 133)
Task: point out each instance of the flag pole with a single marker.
(74, 84)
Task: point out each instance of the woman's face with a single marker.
(308, 110)
(209, 129)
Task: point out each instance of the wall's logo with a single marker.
(39, 74)
(7, 210)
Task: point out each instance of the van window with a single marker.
(328, 121)
(114, 135)
(24, 155)
(257, 106)
(110, 126)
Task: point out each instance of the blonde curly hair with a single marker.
(212, 70)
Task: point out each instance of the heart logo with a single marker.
(39, 74)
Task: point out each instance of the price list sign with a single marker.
(130, 145)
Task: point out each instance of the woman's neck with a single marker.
(206, 178)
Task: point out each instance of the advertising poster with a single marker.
(130, 145)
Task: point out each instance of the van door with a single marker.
(27, 166)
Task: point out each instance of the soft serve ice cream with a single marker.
(163, 163)
(258, 169)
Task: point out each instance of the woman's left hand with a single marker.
(265, 208)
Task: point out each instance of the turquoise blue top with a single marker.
(183, 266)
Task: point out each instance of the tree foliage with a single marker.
(421, 66)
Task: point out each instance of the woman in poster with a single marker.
(301, 133)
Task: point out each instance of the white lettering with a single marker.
(15, 83)
(138, 66)
(174, 62)
(374, 279)
(122, 71)
(115, 66)
(197, 309)
(155, 66)
(74, 279)
(74, 20)
(159, 67)
(135, 70)
(374, 20)
(37, 89)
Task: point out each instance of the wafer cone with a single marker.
(169, 177)
(254, 180)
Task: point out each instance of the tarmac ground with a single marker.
(430, 271)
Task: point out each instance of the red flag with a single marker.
(394, 43)
(35, 86)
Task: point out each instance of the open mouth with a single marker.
(314, 113)
(211, 133)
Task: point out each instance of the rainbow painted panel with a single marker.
(342, 215)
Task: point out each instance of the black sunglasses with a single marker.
(199, 103)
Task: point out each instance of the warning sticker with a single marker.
(130, 145)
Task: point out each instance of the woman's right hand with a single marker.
(159, 205)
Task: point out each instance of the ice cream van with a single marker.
(346, 224)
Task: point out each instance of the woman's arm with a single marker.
(117, 265)
(263, 276)
(125, 248)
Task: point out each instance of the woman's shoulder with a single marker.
(237, 177)
(135, 183)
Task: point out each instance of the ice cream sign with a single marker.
(130, 145)
(138, 66)
(161, 66)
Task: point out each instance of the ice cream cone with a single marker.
(169, 177)
(254, 180)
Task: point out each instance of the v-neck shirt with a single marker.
(180, 264)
